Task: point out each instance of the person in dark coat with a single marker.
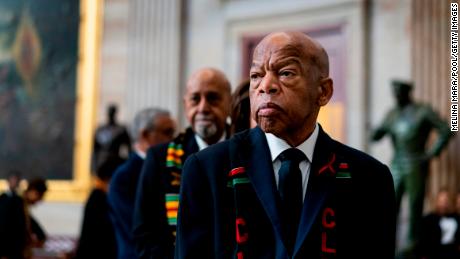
(19, 231)
(207, 106)
(440, 237)
(285, 189)
(36, 189)
(13, 228)
(150, 127)
(97, 237)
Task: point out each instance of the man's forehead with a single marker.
(284, 57)
(206, 77)
(275, 46)
(205, 88)
(286, 54)
(278, 46)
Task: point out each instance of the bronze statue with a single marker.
(409, 125)
(111, 141)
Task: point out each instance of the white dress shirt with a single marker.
(277, 146)
(202, 144)
(448, 227)
(140, 153)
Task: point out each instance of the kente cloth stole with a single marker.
(175, 153)
(239, 183)
(336, 203)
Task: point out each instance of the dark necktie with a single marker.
(290, 189)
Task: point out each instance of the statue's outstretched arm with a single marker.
(379, 132)
(442, 128)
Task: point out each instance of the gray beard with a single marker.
(206, 132)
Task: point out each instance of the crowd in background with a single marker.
(20, 233)
(118, 156)
(115, 205)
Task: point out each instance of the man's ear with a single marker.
(325, 91)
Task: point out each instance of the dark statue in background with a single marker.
(38, 65)
(409, 125)
(111, 141)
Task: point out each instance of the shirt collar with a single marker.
(140, 153)
(277, 145)
(202, 144)
(10, 192)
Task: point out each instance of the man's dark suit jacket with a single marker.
(13, 228)
(121, 198)
(16, 227)
(153, 235)
(348, 211)
(97, 238)
(431, 247)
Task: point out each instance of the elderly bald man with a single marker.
(207, 106)
(286, 189)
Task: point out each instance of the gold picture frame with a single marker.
(90, 32)
(91, 19)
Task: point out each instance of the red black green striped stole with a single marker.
(174, 155)
(328, 227)
(239, 182)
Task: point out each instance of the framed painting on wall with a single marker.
(47, 79)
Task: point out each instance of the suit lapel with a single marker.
(257, 159)
(255, 156)
(190, 145)
(319, 185)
